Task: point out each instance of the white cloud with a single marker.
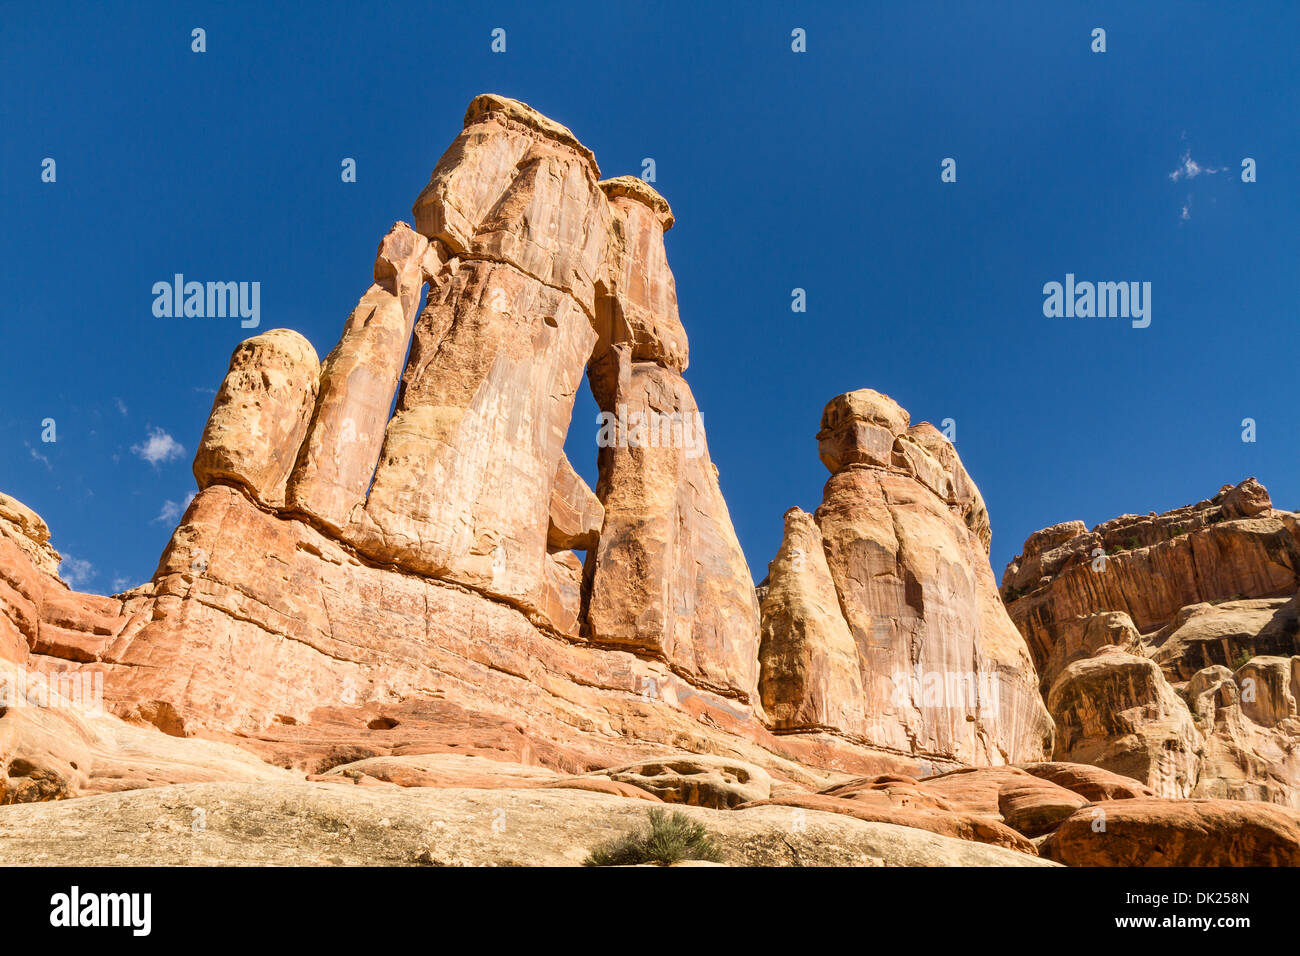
(1190, 169)
(172, 510)
(121, 584)
(38, 456)
(121, 406)
(158, 447)
(76, 572)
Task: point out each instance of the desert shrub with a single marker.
(667, 839)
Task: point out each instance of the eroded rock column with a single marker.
(464, 484)
(358, 381)
(943, 672)
(668, 577)
(810, 675)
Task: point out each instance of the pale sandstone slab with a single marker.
(1149, 832)
(260, 825)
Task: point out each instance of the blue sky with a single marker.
(818, 170)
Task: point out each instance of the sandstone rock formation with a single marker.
(394, 598)
(351, 583)
(260, 416)
(809, 660)
(1169, 644)
(1145, 832)
(914, 653)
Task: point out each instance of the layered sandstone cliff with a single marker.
(1169, 646)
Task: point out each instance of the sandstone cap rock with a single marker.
(634, 187)
(29, 532)
(488, 103)
(859, 428)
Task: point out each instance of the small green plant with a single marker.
(668, 839)
(1241, 661)
(1132, 544)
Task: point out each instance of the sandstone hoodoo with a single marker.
(881, 617)
(394, 596)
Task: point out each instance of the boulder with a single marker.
(576, 513)
(1092, 783)
(1153, 832)
(1116, 710)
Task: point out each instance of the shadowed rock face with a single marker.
(1169, 644)
(906, 599)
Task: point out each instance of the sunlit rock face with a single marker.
(939, 669)
(1169, 644)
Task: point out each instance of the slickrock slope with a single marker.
(308, 824)
(1169, 645)
(881, 618)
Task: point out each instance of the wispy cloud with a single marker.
(1190, 169)
(159, 447)
(37, 456)
(76, 572)
(121, 406)
(121, 584)
(172, 510)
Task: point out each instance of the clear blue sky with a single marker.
(818, 170)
